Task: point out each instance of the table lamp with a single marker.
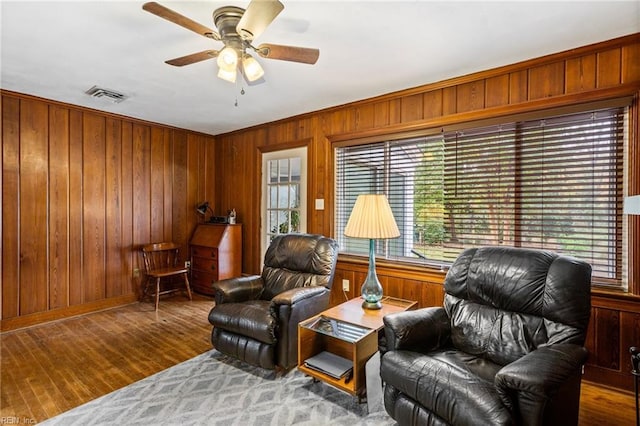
(371, 218)
(203, 208)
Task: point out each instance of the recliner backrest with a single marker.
(298, 260)
(504, 302)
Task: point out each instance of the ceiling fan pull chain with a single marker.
(237, 84)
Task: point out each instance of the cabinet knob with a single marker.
(213, 267)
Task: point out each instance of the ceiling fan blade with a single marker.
(288, 53)
(193, 58)
(257, 17)
(183, 21)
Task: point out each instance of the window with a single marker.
(284, 193)
(553, 183)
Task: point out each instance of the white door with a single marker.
(284, 194)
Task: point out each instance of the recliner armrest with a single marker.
(527, 385)
(543, 370)
(238, 289)
(421, 330)
(294, 295)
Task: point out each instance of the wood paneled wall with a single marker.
(81, 191)
(594, 73)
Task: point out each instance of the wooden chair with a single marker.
(161, 261)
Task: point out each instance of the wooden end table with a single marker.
(357, 345)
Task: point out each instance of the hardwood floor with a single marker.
(51, 368)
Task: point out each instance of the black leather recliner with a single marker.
(255, 318)
(506, 348)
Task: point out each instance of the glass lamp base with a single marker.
(371, 289)
(372, 305)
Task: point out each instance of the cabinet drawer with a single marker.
(204, 264)
(203, 278)
(209, 252)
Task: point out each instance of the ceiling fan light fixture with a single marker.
(251, 68)
(236, 29)
(229, 76)
(228, 59)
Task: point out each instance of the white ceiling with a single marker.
(57, 50)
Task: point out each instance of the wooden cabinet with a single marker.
(216, 254)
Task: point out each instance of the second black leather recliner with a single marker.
(256, 318)
(506, 348)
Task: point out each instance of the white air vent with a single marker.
(107, 94)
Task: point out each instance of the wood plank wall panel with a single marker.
(34, 157)
(156, 163)
(321, 188)
(630, 62)
(366, 117)
(608, 71)
(597, 72)
(381, 114)
(470, 96)
(81, 191)
(201, 193)
(167, 204)
(187, 209)
(58, 212)
(581, 74)
(76, 259)
(606, 349)
(10, 203)
(411, 108)
(113, 208)
(142, 187)
(497, 91)
(432, 104)
(449, 98)
(546, 81)
(93, 199)
(179, 206)
(518, 87)
(126, 248)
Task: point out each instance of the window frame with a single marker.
(432, 130)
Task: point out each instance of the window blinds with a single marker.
(553, 183)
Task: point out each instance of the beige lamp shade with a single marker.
(632, 205)
(371, 218)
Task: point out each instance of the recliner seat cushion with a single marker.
(252, 319)
(456, 387)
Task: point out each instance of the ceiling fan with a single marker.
(237, 28)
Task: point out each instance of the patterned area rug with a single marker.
(213, 389)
